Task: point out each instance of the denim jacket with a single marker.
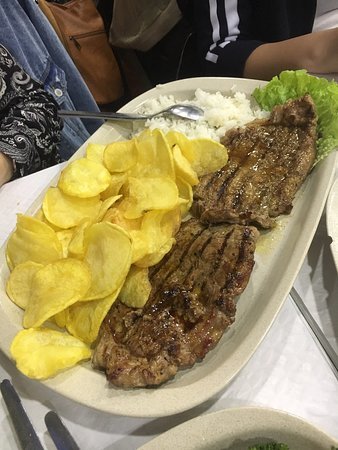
(28, 35)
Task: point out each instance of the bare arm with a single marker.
(315, 52)
(6, 169)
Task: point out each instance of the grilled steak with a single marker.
(190, 306)
(268, 161)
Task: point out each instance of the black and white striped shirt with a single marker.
(227, 31)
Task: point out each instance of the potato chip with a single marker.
(154, 156)
(154, 238)
(41, 353)
(94, 152)
(55, 287)
(32, 240)
(117, 180)
(65, 236)
(60, 318)
(153, 258)
(40, 216)
(106, 204)
(66, 211)
(183, 168)
(116, 215)
(141, 245)
(170, 221)
(120, 156)
(185, 192)
(128, 209)
(136, 289)
(18, 285)
(180, 139)
(148, 194)
(108, 252)
(83, 319)
(209, 156)
(76, 247)
(84, 178)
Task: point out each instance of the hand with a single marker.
(6, 169)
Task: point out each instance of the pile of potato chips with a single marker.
(113, 214)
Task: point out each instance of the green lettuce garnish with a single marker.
(270, 446)
(292, 84)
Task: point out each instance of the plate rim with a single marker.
(332, 220)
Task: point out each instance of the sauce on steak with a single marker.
(190, 306)
(268, 161)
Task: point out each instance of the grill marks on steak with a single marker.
(190, 306)
(268, 161)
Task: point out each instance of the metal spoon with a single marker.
(189, 112)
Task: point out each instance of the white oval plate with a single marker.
(332, 220)
(279, 256)
(239, 428)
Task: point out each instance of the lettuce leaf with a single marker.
(295, 83)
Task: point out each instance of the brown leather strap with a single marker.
(44, 6)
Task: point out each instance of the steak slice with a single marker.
(268, 161)
(190, 306)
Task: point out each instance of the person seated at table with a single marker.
(29, 124)
(260, 39)
(221, 38)
(32, 41)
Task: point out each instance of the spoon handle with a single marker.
(101, 115)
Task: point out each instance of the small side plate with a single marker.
(240, 428)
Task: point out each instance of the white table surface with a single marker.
(288, 371)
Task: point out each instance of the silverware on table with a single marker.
(22, 425)
(62, 439)
(316, 330)
(24, 428)
(189, 112)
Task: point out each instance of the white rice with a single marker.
(220, 114)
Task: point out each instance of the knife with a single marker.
(62, 438)
(22, 425)
(316, 330)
